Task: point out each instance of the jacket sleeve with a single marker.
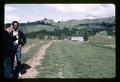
(23, 37)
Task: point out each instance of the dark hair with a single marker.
(7, 25)
(15, 22)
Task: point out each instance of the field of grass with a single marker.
(77, 60)
(102, 39)
(34, 28)
(31, 41)
(110, 45)
(33, 50)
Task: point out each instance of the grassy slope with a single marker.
(78, 61)
(84, 21)
(68, 24)
(102, 39)
(34, 28)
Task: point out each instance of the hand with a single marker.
(20, 46)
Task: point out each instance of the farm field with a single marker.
(66, 59)
(34, 28)
(68, 41)
(94, 58)
(31, 48)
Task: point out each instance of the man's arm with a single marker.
(23, 37)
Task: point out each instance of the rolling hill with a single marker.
(50, 25)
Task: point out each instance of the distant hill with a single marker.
(73, 22)
(45, 21)
(50, 25)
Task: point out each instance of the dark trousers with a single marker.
(8, 67)
(13, 60)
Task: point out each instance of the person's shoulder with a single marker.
(20, 31)
(5, 32)
(6, 35)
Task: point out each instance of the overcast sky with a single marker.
(57, 12)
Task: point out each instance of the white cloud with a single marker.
(9, 8)
(89, 10)
(10, 18)
(9, 13)
(23, 13)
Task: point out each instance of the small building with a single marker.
(77, 39)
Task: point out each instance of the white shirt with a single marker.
(15, 33)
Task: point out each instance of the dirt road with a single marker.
(34, 61)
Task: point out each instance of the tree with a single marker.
(28, 22)
(58, 22)
(66, 31)
(57, 32)
(73, 31)
(85, 35)
(40, 36)
(45, 18)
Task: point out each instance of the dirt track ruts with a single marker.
(34, 61)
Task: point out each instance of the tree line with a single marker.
(102, 24)
(68, 32)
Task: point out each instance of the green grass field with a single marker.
(33, 50)
(31, 41)
(103, 40)
(77, 60)
(34, 28)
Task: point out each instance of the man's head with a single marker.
(9, 28)
(15, 25)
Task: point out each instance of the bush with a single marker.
(102, 38)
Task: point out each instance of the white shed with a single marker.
(77, 39)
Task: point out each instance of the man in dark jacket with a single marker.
(19, 41)
(9, 48)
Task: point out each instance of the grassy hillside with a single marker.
(37, 27)
(71, 23)
(74, 60)
(102, 39)
(50, 26)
